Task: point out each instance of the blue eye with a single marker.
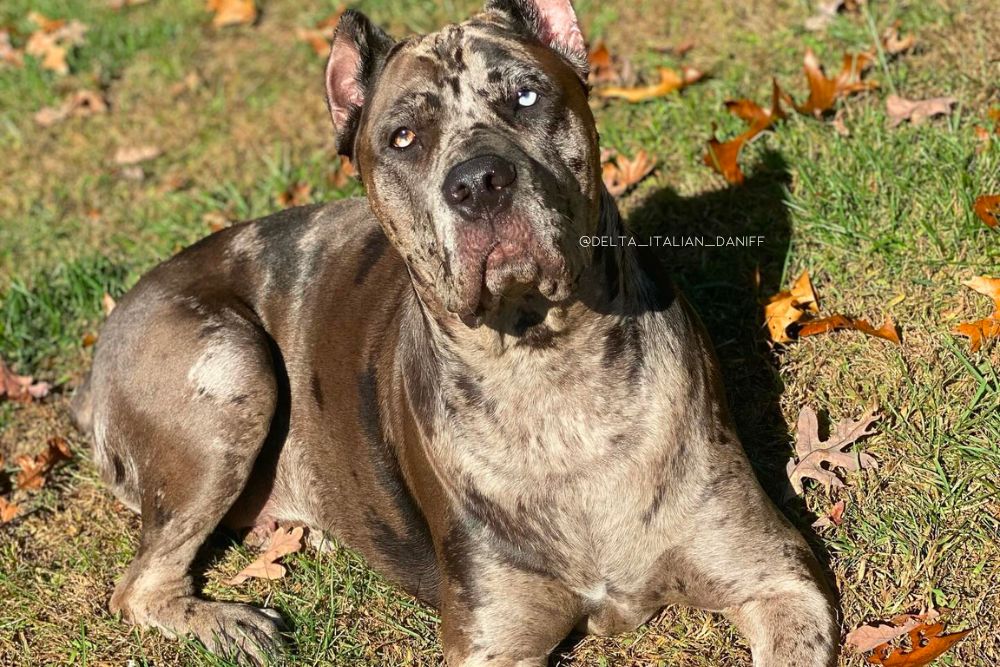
(526, 97)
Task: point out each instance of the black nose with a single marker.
(480, 186)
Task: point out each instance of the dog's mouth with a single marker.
(505, 263)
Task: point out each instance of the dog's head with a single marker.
(477, 148)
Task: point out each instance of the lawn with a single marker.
(882, 220)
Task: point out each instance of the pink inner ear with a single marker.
(560, 25)
(342, 87)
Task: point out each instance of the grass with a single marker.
(881, 219)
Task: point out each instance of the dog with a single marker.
(525, 432)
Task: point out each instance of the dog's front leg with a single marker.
(499, 612)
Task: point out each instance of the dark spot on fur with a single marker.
(240, 399)
(317, 389)
(456, 89)
(209, 330)
(371, 252)
(494, 76)
(119, 468)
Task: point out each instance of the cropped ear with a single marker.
(356, 58)
(552, 22)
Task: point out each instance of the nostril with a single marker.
(502, 175)
(458, 193)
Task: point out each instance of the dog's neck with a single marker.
(611, 286)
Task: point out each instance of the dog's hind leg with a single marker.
(190, 443)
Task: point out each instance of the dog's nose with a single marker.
(480, 186)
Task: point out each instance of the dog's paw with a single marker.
(249, 635)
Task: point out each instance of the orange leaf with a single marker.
(823, 92)
(232, 12)
(724, 156)
(982, 330)
(7, 511)
(298, 194)
(34, 469)
(283, 542)
(623, 173)
(834, 517)
(788, 307)
(927, 643)
(893, 43)
(670, 81)
(837, 322)
(602, 66)
(987, 207)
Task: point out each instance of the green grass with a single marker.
(879, 217)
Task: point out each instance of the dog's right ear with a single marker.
(356, 58)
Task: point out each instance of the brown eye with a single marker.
(403, 137)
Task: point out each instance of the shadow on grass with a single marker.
(721, 284)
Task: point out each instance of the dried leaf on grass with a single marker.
(824, 92)
(343, 173)
(894, 44)
(21, 388)
(34, 469)
(8, 54)
(320, 37)
(987, 208)
(723, 156)
(8, 510)
(916, 111)
(670, 81)
(107, 304)
(927, 642)
(131, 155)
(232, 12)
(298, 194)
(818, 459)
(53, 40)
(834, 517)
(786, 308)
(822, 325)
(82, 103)
(869, 636)
(621, 173)
(283, 542)
(982, 330)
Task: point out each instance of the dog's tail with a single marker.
(82, 407)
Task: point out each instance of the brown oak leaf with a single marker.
(283, 542)
(916, 111)
(622, 173)
(987, 209)
(834, 517)
(887, 331)
(723, 156)
(786, 308)
(8, 511)
(824, 92)
(34, 469)
(926, 643)
(982, 330)
(818, 459)
(21, 387)
(232, 12)
(870, 635)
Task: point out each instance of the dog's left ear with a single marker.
(552, 22)
(357, 55)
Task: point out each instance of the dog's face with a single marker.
(477, 148)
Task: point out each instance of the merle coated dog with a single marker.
(524, 432)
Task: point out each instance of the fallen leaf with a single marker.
(130, 155)
(344, 172)
(8, 511)
(916, 111)
(987, 207)
(839, 322)
(838, 124)
(82, 103)
(190, 83)
(623, 173)
(825, 13)
(788, 307)
(724, 156)
(88, 339)
(283, 542)
(298, 194)
(834, 517)
(824, 92)
(21, 388)
(602, 66)
(107, 304)
(34, 469)
(670, 81)
(53, 40)
(320, 37)
(982, 330)
(232, 12)
(869, 636)
(893, 44)
(818, 459)
(926, 644)
(8, 54)
(216, 220)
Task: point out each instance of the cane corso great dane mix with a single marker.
(524, 432)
